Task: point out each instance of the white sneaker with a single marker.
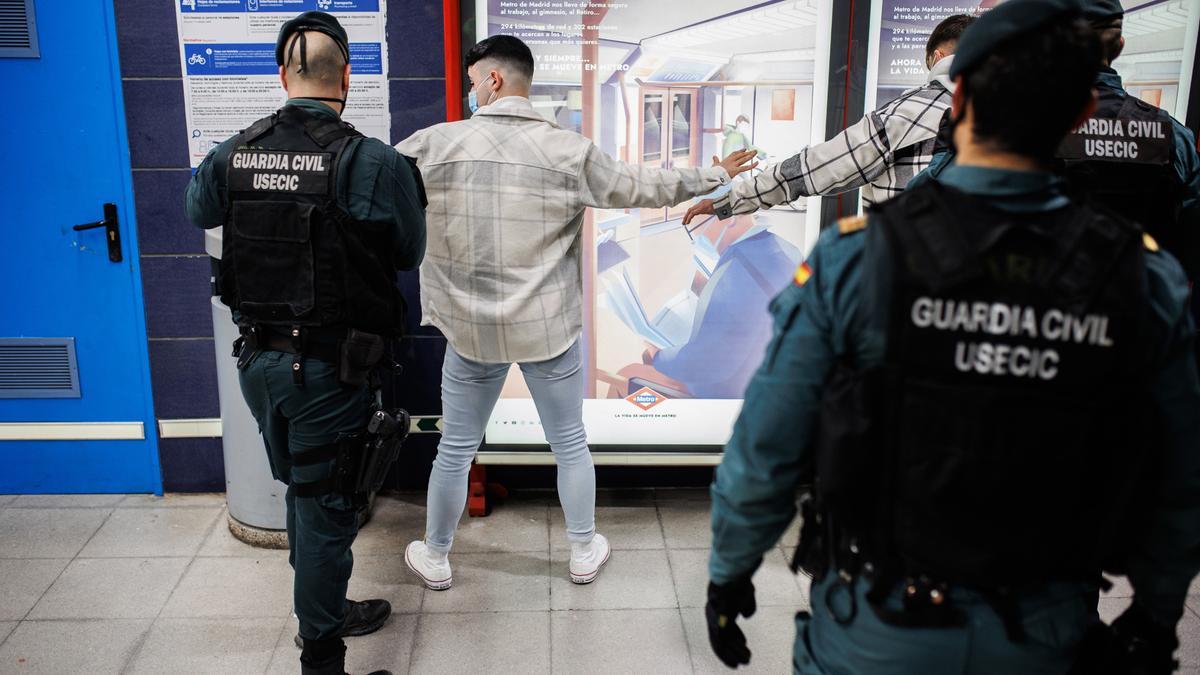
(587, 559)
(433, 568)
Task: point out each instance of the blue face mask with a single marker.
(473, 100)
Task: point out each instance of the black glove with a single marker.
(725, 603)
(1148, 646)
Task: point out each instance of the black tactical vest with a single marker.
(291, 255)
(1122, 158)
(991, 448)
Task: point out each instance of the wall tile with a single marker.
(192, 464)
(147, 39)
(415, 39)
(177, 292)
(163, 226)
(157, 128)
(184, 378)
(416, 104)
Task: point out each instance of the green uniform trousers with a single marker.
(1054, 622)
(321, 529)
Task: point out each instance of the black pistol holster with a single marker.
(360, 460)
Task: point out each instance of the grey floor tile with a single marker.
(393, 524)
(1189, 640)
(220, 543)
(774, 583)
(687, 523)
(144, 533)
(494, 582)
(508, 642)
(631, 580)
(1111, 608)
(386, 577)
(7, 499)
(510, 528)
(627, 527)
(233, 587)
(92, 647)
(6, 629)
(22, 583)
(174, 499)
(111, 588)
(65, 501)
(198, 646)
(388, 648)
(629, 641)
(1121, 588)
(47, 533)
(770, 634)
(791, 536)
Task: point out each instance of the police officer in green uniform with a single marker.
(317, 219)
(989, 389)
(1131, 156)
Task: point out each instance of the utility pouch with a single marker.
(359, 353)
(245, 348)
(363, 459)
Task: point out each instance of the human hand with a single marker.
(736, 162)
(704, 207)
(725, 603)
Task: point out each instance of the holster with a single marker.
(358, 355)
(361, 460)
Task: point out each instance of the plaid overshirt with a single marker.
(507, 190)
(880, 154)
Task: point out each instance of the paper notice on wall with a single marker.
(230, 79)
(904, 30)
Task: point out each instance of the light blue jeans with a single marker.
(469, 393)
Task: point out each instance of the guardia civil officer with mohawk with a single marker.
(991, 391)
(317, 219)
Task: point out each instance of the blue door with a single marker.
(75, 407)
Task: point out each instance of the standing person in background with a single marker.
(317, 219)
(879, 154)
(501, 279)
(990, 389)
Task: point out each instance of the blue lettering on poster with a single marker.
(366, 58)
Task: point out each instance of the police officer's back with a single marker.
(317, 219)
(990, 389)
(1133, 157)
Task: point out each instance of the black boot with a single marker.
(327, 657)
(362, 618)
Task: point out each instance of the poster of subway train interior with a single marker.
(676, 318)
(1155, 65)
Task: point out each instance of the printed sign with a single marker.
(230, 78)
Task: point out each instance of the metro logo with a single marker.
(645, 398)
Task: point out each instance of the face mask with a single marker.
(473, 99)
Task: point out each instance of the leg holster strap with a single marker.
(360, 461)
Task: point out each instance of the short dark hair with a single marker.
(949, 30)
(1029, 91)
(504, 49)
(1110, 37)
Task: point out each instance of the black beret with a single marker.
(1006, 21)
(1102, 10)
(314, 21)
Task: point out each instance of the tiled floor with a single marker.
(114, 584)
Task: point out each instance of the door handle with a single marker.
(112, 231)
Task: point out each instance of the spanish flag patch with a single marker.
(803, 273)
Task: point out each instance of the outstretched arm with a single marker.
(607, 183)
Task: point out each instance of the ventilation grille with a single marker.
(38, 367)
(18, 36)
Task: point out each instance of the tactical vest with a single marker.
(291, 256)
(1122, 158)
(991, 447)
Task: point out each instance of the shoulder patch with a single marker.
(803, 274)
(1149, 243)
(851, 224)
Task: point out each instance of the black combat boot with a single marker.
(327, 657)
(362, 618)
